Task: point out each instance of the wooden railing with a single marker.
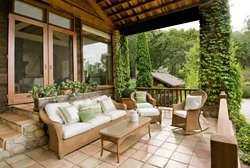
(167, 96)
(224, 148)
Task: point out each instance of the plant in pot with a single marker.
(125, 99)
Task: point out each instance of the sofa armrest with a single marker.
(120, 106)
(150, 99)
(179, 106)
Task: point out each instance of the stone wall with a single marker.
(4, 10)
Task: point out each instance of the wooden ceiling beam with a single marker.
(129, 9)
(146, 11)
(116, 4)
(100, 1)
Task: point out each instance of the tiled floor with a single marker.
(168, 148)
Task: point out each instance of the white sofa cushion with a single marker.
(53, 112)
(116, 114)
(97, 99)
(181, 113)
(192, 102)
(144, 105)
(107, 105)
(148, 112)
(86, 102)
(69, 114)
(99, 120)
(75, 129)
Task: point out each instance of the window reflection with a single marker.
(97, 61)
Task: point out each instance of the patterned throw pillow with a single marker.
(86, 115)
(107, 105)
(95, 108)
(69, 114)
(140, 97)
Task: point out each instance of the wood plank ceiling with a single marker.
(125, 12)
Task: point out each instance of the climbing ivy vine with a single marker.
(123, 66)
(219, 70)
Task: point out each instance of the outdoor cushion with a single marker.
(99, 120)
(181, 113)
(192, 102)
(144, 105)
(53, 112)
(107, 105)
(86, 102)
(95, 108)
(86, 115)
(75, 129)
(140, 96)
(97, 99)
(69, 114)
(116, 114)
(148, 112)
(140, 100)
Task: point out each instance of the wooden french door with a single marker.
(38, 54)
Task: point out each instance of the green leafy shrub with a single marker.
(39, 91)
(126, 92)
(246, 92)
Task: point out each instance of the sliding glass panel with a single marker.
(62, 57)
(97, 61)
(28, 56)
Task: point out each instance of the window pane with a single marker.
(59, 21)
(28, 56)
(62, 57)
(97, 61)
(29, 10)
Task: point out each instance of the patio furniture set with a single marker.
(71, 125)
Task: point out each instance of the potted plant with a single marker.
(125, 95)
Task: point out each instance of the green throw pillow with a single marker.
(86, 115)
(95, 108)
(141, 100)
(141, 94)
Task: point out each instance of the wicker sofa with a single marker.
(64, 139)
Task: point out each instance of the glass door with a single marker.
(62, 55)
(27, 57)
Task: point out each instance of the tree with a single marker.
(123, 68)
(190, 71)
(143, 62)
(132, 55)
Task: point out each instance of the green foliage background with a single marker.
(143, 62)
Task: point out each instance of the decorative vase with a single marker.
(134, 116)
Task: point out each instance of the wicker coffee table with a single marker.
(124, 134)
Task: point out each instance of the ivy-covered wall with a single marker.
(218, 69)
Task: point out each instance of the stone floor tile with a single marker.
(137, 145)
(175, 164)
(16, 159)
(90, 163)
(50, 161)
(146, 165)
(190, 143)
(203, 146)
(77, 158)
(129, 152)
(113, 160)
(35, 151)
(24, 163)
(141, 155)
(202, 153)
(200, 162)
(181, 157)
(166, 153)
(42, 156)
(185, 149)
(157, 161)
(63, 164)
(90, 150)
(131, 163)
(105, 165)
(149, 148)
(174, 140)
(105, 155)
(155, 142)
(169, 145)
(35, 165)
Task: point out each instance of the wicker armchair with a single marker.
(147, 109)
(188, 119)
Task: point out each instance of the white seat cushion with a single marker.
(99, 120)
(75, 129)
(181, 113)
(97, 99)
(86, 102)
(116, 114)
(144, 105)
(192, 102)
(148, 112)
(53, 112)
